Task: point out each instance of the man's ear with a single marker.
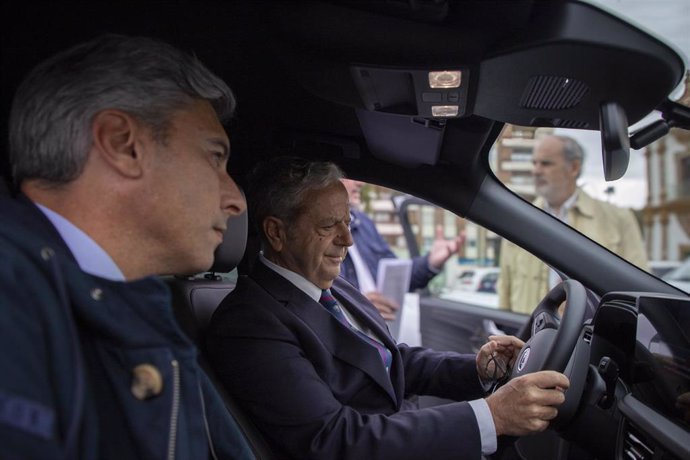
(114, 135)
(274, 229)
(575, 167)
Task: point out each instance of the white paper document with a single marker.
(393, 282)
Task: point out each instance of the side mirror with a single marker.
(615, 144)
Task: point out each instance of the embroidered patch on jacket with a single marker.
(26, 415)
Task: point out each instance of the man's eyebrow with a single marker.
(222, 143)
(330, 220)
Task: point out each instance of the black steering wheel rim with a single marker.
(551, 341)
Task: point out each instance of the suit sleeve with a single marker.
(421, 273)
(291, 403)
(443, 374)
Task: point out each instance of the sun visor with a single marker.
(408, 141)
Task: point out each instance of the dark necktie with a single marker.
(329, 302)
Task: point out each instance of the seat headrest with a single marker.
(231, 250)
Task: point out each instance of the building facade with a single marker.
(666, 216)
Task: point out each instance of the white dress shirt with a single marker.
(364, 277)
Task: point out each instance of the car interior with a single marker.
(411, 95)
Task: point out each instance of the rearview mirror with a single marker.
(615, 144)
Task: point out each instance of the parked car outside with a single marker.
(478, 279)
(680, 276)
(660, 268)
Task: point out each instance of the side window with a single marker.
(411, 228)
(471, 273)
(454, 306)
(486, 286)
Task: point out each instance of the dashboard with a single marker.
(637, 385)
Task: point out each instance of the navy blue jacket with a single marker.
(318, 391)
(69, 342)
(372, 247)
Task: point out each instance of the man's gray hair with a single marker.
(51, 116)
(278, 187)
(572, 151)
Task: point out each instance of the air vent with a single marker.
(635, 444)
(626, 304)
(552, 93)
(571, 124)
(559, 123)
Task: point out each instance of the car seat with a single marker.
(195, 298)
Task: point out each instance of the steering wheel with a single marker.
(550, 341)
(549, 344)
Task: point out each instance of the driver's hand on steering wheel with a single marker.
(497, 356)
(527, 404)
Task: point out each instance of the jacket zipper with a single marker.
(208, 431)
(172, 439)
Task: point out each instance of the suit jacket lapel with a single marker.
(370, 318)
(340, 341)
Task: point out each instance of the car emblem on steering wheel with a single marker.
(523, 359)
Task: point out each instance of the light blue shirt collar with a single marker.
(89, 255)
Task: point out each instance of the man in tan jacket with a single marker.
(557, 163)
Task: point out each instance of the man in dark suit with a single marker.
(312, 362)
(360, 266)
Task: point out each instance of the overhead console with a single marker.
(572, 58)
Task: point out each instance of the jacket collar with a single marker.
(584, 204)
(341, 342)
(126, 310)
(30, 227)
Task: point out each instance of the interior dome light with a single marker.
(445, 79)
(445, 110)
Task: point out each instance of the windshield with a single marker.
(646, 214)
(643, 217)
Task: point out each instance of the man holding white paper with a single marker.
(360, 266)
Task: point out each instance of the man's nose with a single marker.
(344, 235)
(232, 200)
